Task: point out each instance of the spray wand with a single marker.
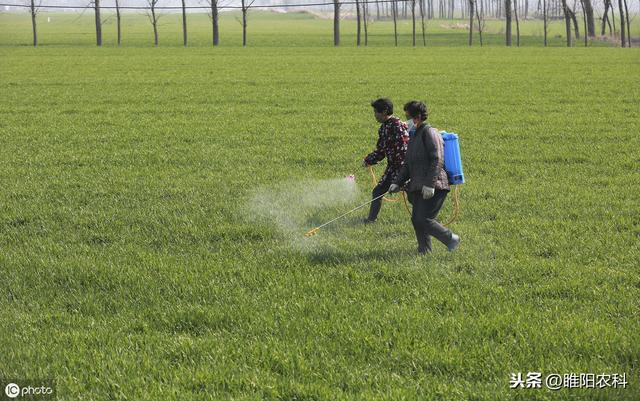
(314, 231)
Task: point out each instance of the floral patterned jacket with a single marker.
(392, 144)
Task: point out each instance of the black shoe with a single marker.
(367, 221)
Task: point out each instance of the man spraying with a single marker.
(392, 144)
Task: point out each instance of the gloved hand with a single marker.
(394, 188)
(427, 192)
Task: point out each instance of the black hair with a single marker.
(417, 109)
(383, 105)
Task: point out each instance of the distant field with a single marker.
(266, 29)
(138, 260)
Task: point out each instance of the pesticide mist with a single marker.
(296, 207)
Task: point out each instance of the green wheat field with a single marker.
(153, 203)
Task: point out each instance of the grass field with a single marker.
(132, 266)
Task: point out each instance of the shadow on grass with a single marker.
(335, 257)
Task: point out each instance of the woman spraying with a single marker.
(428, 184)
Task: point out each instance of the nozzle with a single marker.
(311, 232)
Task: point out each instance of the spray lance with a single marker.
(313, 231)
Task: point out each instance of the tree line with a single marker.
(475, 11)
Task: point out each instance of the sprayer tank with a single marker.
(452, 158)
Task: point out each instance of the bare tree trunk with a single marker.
(119, 22)
(154, 21)
(184, 23)
(358, 23)
(507, 13)
(549, 8)
(584, 19)
(336, 23)
(567, 21)
(96, 8)
(244, 24)
(378, 10)
(155, 33)
(33, 23)
(515, 11)
(424, 35)
(214, 22)
(626, 10)
(591, 26)
(622, 27)
(479, 21)
(605, 18)
(544, 16)
(413, 20)
(365, 13)
(394, 6)
(572, 14)
(470, 22)
(613, 20)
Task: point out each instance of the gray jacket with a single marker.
(424, 162)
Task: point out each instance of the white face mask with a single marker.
(410, 125)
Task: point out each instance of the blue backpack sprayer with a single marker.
(452, 165)
(452, 158)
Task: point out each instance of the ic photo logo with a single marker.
(13, 391)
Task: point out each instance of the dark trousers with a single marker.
(424, 220)
(382, 187)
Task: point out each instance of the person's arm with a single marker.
(434, 155)
(401, 138)
(403, 176)
(378, 153)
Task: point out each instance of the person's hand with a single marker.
(427, 192)
(394, 188)
(364, 164)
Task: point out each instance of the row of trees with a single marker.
(474, 10)
(570, 18)
(452, 9)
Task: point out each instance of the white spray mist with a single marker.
(296, 207)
